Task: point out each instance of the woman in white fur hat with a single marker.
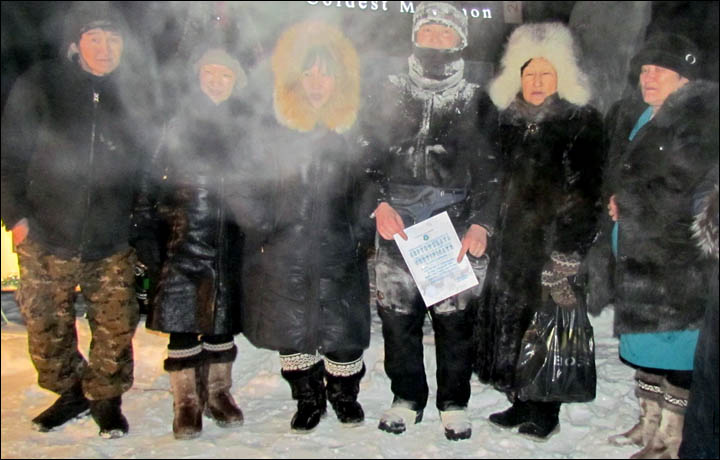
(553, 148)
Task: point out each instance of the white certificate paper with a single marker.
(430, 253)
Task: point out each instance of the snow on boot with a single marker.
(649, 394)
(221, 406)
(518, 413)
(543, 423)
(109, 417)
(457, 424)
(71, 404)
(644, 429)
(342, 391)
(396, 419)
(308, 389)
(186, 385)
(665, 443)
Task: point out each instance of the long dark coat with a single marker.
(198, 290)
(553, 154)
(304, 265)
(657, 280)
(304, 269)
(701, 430)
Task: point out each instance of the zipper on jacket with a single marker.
(421, 145)
(219, 248)
(89, 181)
(313, 297)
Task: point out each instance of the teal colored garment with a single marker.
(644, 118)
(662, 350)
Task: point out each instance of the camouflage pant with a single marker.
(46, 297)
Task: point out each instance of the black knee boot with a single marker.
(108, 415)
(517, 414)
(308, 389)
(71, 403)
(544, 421)
(342, 392)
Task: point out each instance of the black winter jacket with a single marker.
(304, 268)
(657, 279)
(443, 138)
(183, 208)
(70, 160)
(551, 198)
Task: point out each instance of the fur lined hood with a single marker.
(554, 42)
(292, 109)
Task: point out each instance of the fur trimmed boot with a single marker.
(72, 403)
(665, 443)
(342, 392)
(308, 389)
(649, 393)
(220, 405)
(187, 382)
(109, 417)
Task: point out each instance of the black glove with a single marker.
(555, 277)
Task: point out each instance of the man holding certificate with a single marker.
(431, 137)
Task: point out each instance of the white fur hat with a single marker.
(552, 41)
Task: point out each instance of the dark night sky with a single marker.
(30, 29)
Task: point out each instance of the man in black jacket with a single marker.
(69, 162)
(431, 140)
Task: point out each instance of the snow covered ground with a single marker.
(265, 399)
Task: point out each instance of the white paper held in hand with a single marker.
(430, 253)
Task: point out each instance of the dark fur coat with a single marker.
(656, 283)
(551, 196)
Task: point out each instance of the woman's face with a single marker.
(217, 82)
(657, 83)
(100, 51)
(539, 80)
(318, 84)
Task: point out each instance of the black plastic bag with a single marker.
(557, 356)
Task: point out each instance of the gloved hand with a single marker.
(555, 277)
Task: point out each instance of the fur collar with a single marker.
(292, 109)
(520, 112)
(697, 99)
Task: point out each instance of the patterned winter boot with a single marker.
(71, 404)
(343, 386)
(109, 417)
(649, 393)
(308, 389)
(221, 406)
(187, 382)
(665, 443)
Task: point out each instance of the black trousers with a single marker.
(404, 364)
